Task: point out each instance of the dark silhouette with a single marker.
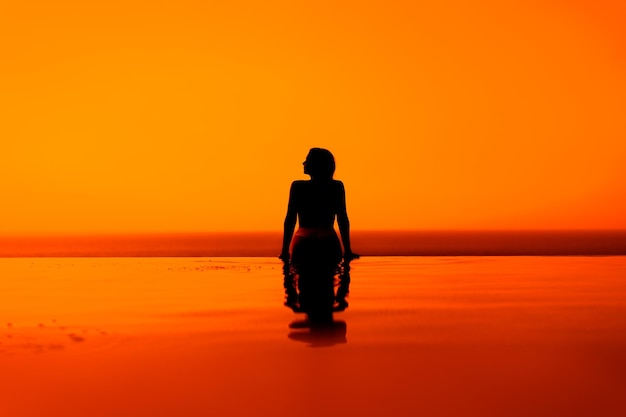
(309, 293)
(327, 335)
(316, 271)
(319, 299)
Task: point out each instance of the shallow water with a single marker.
(484, 336)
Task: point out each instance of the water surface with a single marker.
(436, 336)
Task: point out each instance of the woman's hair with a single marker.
(321, 163)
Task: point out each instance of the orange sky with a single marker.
(155, 116)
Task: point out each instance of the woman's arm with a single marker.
(290, 224)
(344, 224)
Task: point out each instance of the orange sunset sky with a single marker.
(167, 116)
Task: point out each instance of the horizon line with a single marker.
(274, 231)
(366, 243)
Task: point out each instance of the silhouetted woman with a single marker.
(316, 254)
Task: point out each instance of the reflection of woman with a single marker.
(315, 204)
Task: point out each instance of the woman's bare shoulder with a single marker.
(298, 184)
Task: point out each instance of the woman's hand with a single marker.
(284, 256)
(349, 255)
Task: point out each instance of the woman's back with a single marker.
(317, 202)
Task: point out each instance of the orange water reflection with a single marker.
(196, 337)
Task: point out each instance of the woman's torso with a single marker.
(317, 203)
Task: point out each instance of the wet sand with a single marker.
(470, 336)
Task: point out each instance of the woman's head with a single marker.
(319, 164)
